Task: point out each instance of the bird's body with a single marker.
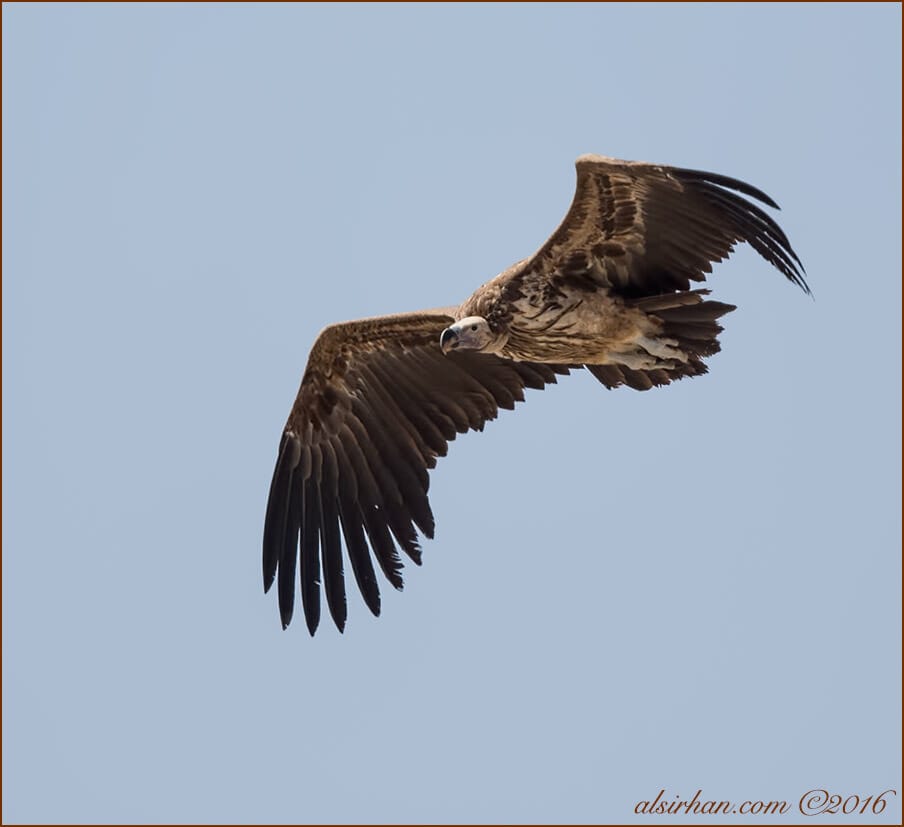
(382, 397)
(589, 327)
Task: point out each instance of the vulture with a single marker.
(382, 397)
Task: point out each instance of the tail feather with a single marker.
(689, 321)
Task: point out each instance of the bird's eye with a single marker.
(473, 327)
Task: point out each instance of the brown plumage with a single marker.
(381, 398)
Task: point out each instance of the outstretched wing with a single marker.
(379, 402)
(640, 229)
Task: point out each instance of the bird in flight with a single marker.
(381, 398)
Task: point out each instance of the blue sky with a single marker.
(694, 587)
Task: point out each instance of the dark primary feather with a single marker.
(378, 404)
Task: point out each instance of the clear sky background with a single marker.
(694, 587)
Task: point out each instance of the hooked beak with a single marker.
(448, 340)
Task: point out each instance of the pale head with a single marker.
(470, 333)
